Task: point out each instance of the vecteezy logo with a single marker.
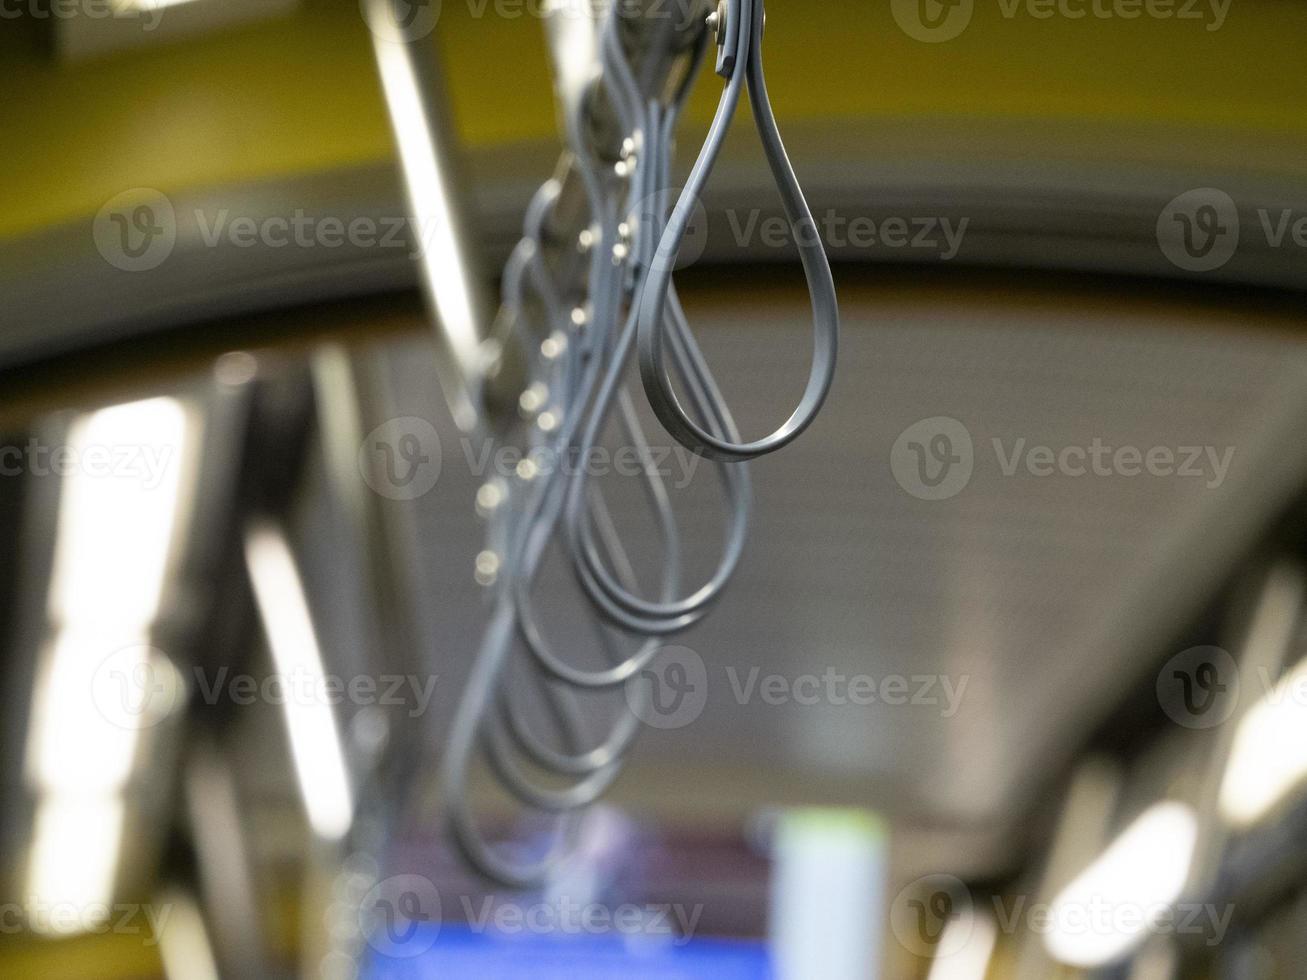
(933, 916)
(656, 210)
(401, 916)
(135, 687)
(1199, 687)
(671, 691)
(399, 21)
(400, 459)
(932, 21)
(933, 459)
(1198, 231)
(136, 230)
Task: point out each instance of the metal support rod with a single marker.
(452, 280)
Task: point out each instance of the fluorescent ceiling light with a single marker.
(91, 704)
(971, 950)
(74, 861)
(184, 945)
(118, 510)
(1268, 758)
(150, 4)
(116, 515)
(314, 738)
(1109, 909)
(85, 30)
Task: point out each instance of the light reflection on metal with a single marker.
(314, 736)
(426, 140)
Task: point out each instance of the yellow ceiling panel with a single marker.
(299, 95)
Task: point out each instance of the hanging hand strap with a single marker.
(739, 25)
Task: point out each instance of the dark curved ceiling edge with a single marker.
(1067, 213)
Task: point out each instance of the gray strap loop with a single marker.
(748, 15)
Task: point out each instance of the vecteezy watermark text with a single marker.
(149, 14)
(138, 230)
(1099, 459)
(136, 691)
(936, 916)
(307, 687)
(931, 233)
(936, 21)
(143, 463)
(566, 916)
(835, 688)
(402, 459)
(935, 458)
(672, 691)
(401, 916)
(95, 918)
